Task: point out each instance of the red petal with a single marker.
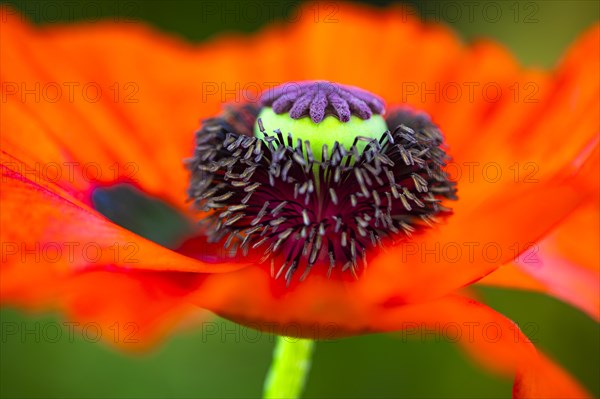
(47, 233)
(565, 264)
(129, 309)
(489, 336)
(66, 256)
(95, 111)
(485, 334)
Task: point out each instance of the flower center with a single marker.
(307, 192)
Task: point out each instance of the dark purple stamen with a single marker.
(320, 99)
(275, 196)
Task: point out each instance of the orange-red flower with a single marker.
(89, 106)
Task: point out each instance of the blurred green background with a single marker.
(191, 364)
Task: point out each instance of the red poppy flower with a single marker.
(91, 106)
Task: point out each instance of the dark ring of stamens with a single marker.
(320, 99)
(274, 193)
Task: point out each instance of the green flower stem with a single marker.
(289, 370)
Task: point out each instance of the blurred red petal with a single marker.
(48, 234)
(488, 336)
(565, 264)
